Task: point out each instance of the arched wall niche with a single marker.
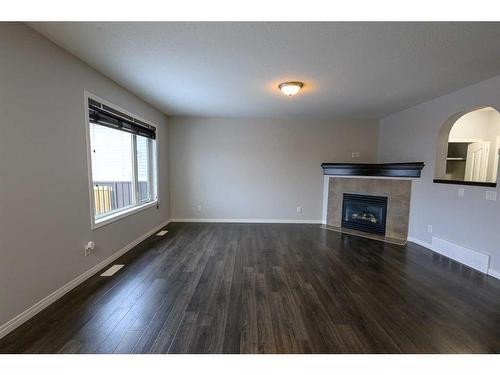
(440, 174)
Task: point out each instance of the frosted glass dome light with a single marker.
(290, 88)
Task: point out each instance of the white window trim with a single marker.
(121, 214)
(117, 215)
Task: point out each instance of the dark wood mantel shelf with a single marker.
(411, 170)
(469, 183)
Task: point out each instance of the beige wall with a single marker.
(476, 124)
(44, 196)
(259, 169)
(411, 135)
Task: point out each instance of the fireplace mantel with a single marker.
(410, 170)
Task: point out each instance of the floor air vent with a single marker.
(112, 270)
(162, 233)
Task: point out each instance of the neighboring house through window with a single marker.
(122, 162)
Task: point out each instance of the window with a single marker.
(122, 163)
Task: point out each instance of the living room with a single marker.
(249, 187)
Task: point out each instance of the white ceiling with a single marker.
(350, 70)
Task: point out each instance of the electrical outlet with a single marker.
(429, 228)
(355, 155)
(88, 248)
(299, 209)
(198, 207)
(461, 192)
(491, 195)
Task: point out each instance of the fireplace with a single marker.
(366, 213)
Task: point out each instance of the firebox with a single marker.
(366, 213)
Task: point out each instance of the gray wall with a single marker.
(412, 135)
(259, 168)
(44, 197)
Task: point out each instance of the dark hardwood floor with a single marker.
(271, 288)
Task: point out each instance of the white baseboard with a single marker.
(494, 273)
(51, 298)
(469, 257)
(255, 221)
(420, 242)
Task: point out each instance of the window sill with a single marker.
(121, 214)
(469, 183)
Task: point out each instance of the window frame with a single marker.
(153, 170)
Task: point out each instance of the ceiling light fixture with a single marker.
(290, 88)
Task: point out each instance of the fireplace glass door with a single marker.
(366, 213)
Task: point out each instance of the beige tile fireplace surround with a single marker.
(398, 192)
